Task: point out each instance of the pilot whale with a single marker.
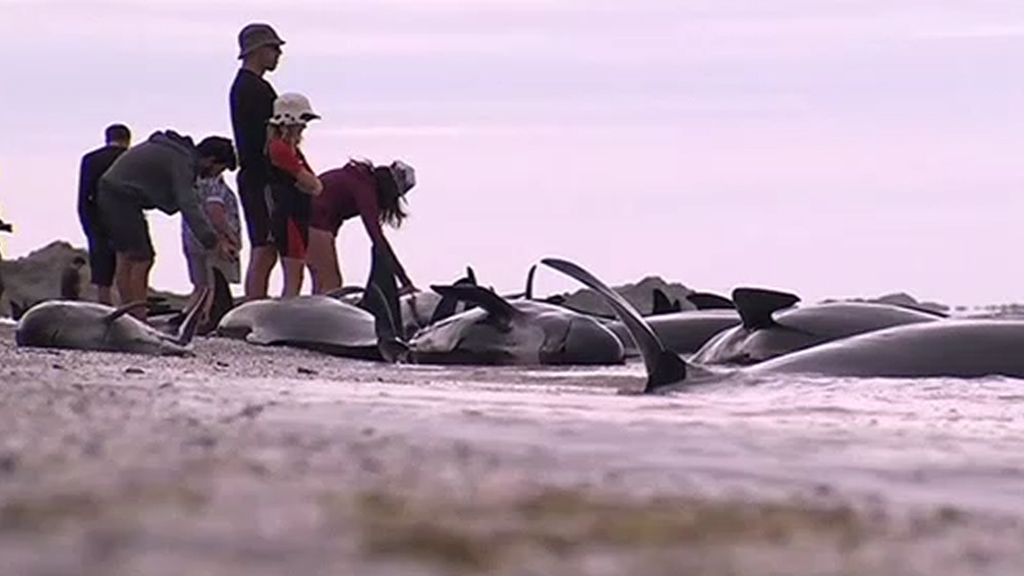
(90, 326)
(418, 309)
(502, 331)
(682, 331)
(320, 323)
(950, 348)
(772, 326)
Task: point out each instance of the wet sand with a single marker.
(269, 461)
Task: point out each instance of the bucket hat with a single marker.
(292, 108)
(255, 36)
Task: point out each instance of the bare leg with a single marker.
(257, 276)
(322, 259)
(133, 283)
(104, 295)
(122, 277)
(293, 269)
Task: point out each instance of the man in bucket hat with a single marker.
(252, 105)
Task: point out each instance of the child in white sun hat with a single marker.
(292, 184)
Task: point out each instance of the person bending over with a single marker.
(376, 194)
(159, 173)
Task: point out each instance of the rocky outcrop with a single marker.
(37, 277)
(640, 295)
(901, 299)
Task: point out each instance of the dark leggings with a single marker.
(382, 275)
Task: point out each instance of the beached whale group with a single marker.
(755, 332)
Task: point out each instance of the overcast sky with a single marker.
(829, 147)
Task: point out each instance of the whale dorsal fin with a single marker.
(663, 367)
(495, 305)
(662, 305)
(756, 305)
(449, 305)
(709, 301)
(529, 282)
(527, 293)
(124, 309)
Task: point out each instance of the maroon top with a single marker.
(348, 192)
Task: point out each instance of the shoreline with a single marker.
(270, 459)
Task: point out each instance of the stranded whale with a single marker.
(950, 348)
(91, 326)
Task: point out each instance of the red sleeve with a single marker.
(369, 211)
(284, 156)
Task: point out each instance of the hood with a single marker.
(175, 141)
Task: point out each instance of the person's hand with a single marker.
(227, 248)
(234, 244)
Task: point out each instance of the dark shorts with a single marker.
(252, 189)
(125, 224)
(289, 221)
(102, 258)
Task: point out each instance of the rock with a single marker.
(900, 299)
(640, 295)
(38, 277)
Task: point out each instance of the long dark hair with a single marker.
(391, 203)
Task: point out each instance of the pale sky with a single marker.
(829, 147)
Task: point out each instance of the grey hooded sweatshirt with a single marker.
(161, 173)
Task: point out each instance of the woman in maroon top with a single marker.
(376, 194)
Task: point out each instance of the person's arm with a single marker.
(369, 213)
(84, 211)
(396, 266)
(184, 186)
(218, 216)
(285, 157)
(309, 182)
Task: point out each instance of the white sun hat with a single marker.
(292, 108)
(404, 175)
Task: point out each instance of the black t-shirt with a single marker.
(94, 164)
(252, 104)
